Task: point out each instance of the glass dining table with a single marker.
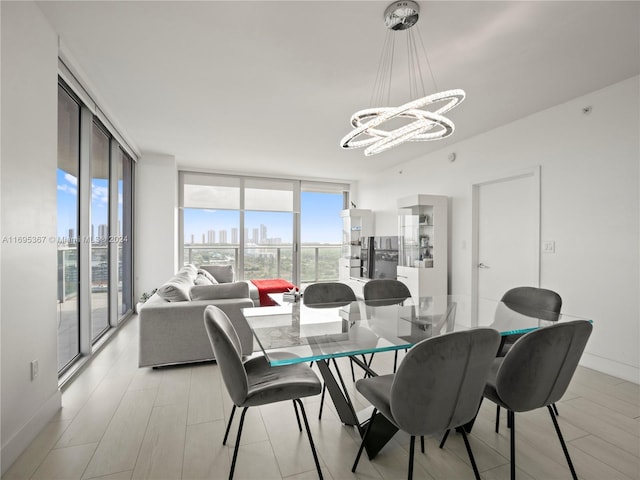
(324, 332)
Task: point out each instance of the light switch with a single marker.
(549, 246)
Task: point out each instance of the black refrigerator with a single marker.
(379, 257)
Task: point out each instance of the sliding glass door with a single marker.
(99, 232)
(68, 228)
(121, 238)
(94, 216)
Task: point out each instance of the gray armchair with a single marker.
(533, 302)
(328, 294)
(536, 372)
(380, 292)
(438, 386)
(385, 291)
(530, 301)
(255, 382)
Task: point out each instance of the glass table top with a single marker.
(315, 332)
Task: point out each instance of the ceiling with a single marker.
(268, 87)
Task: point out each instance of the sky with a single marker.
(68, 198)
(320, 215)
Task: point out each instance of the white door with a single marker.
(507, 235)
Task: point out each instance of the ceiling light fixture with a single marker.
(423, 124)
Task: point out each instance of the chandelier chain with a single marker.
(426, 56)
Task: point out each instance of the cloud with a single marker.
(71, 179)
(68, 189)
(100, 194)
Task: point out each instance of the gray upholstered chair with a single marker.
(385, 291)
(531, 301)
(536, 372)
(255, 382)
(328, 294)
(438, 386)
(534, 302)
(382, 292)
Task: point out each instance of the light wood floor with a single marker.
(119, 421)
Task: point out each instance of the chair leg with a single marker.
(324, 389)
(364, 437)
(395, 361)
(235, 450)
(226, 433)
(313, 447)
(555, 410)
(564, 446)
(295, 407)
(497, 418)
(470, 453)
(511, 421)
(412, 446)
(422, 443)
(444, 438)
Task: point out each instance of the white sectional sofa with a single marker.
(172, 320)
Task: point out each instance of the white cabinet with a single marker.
(423, 252)
(356, 223)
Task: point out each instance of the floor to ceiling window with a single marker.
(320, 231)
(100, 231)
(121, 239)
(268, 228)
(68, 227)
(94, 216)
(254, 224)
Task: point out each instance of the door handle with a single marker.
(482, 265)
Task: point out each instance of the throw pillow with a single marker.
(174, 292)
(202, 280)
(222, 273)
(208, 276)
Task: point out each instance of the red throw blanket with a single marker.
(272, 285)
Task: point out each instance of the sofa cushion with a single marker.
(215, 292)
(208, 276)
(190, 269)
(222, 273)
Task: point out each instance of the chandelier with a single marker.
(419, 120)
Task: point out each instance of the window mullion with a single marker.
(84, 189)
(112, 251)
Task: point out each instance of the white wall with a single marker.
(28, 203)
(156, 221)
(590, 206)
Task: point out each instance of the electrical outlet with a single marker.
(34, 369)
(549, 246)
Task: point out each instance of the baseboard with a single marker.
(611, 367)
(18, 442)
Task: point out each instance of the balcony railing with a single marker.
(318, 262)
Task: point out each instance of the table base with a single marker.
(382, 430)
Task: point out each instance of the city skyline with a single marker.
(320, 221)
